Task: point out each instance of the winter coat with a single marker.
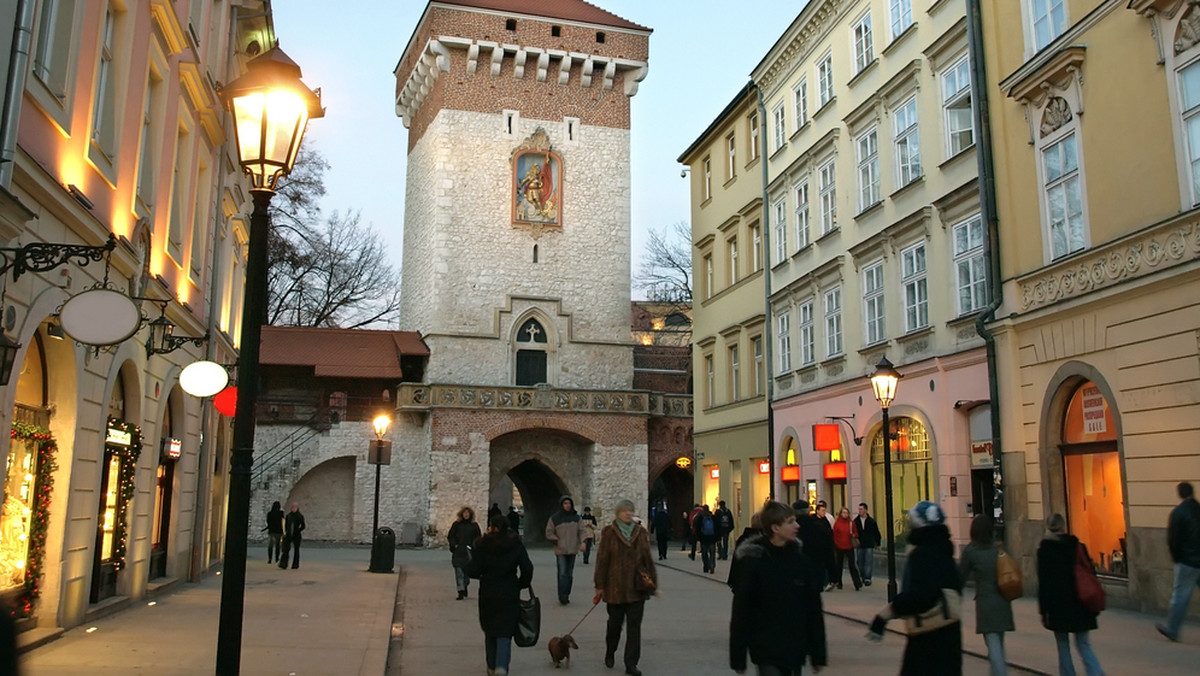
(1183, 533)
(777, 615)
(461, 537)
(869, 536)
(514, 521)
(1059, 607)
(565, 530)
(724, 519)
(293, 525)
(275, 522)
(844, 532)
(618, 562)
(503, 569)
(698, 528)
(660, 525)
(739, 549)
(930, 569)
(993, 612)
(817, 538)
(589, 526)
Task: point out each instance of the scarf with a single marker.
(626, 529)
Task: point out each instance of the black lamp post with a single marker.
(270, 107)
(883, 383)
(379, 454)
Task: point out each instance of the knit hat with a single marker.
(623, 503)
(926, 513)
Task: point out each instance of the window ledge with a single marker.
(753, 161)
(803, 249)
(920, 180)
(872, 347)
(937, 4)
(706, 202)
(909, 30)
(825, 106)
(836, 360)
(953, 159)
(964, 319)
(915, 333)
(865, 69)
(775, 153)
(801, 129)
(730, 182)
(870, 209)
(832, 231)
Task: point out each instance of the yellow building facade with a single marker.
(1096, 163)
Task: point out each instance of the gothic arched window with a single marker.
(531, 354)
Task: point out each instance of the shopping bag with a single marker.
(529, 625)
(1008, 576)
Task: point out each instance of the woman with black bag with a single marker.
(625, 577)
(502, 566)
(463, 534)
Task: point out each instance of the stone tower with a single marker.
(517, 253)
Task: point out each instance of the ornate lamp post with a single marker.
(270, 107)
(883, 383)
(379, 454)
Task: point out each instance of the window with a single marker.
(912, 471)
(760, 374)
(707, 178)
(104, 107)
(510, 24)
(808, 339)
(828, 198)
(51, 53)
(825, 80)
(900, 15)
(710, 384)
(756, 252)
(801, 191)
(833, 322)
(908, 143)
(731, 150)
(203, 202)
(781, 248)
(864, 49)
(1064, 196)
(1189, 100)
(532, 344)
(801, 102)
(868, 169)
(1049, 19)
(753, 136)
(779, 127)
(873, 302)
(916, 293)
(969, 265)
(732, 248)
(145, 177)
(785, 342)
(180, 199)
(956, 100)
(734, 374)
(708, 276)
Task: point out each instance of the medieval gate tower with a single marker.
(517, 258)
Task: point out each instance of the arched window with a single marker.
(1092, 472)
(912, 471)
(532, 354)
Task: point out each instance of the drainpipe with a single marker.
(765, 257)
(991, 242)
(18, 66)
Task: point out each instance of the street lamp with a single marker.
(379, 454)
(883, 383)
(270, 107)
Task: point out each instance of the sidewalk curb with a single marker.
(973, 653)
(396, 640)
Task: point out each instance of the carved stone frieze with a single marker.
(916, 346)
(543, 397)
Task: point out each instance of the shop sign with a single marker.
(171, 448)
(789, 473)
(835, 471)
(1093, 411)
(683, 462)
(826, 437)
(764, 467)
(118, 437)
(714, 472)
(981, 454)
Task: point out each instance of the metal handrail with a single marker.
(287, 446)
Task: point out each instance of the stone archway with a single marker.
(543, 465)
(326, 497)
(675, 486)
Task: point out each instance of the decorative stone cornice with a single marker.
(1160, 247)
(420, 398)
(1033, 86)
(814, 23)
(1151, 7)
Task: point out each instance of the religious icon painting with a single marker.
(537, 183)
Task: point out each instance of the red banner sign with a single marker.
(827, 437)
(835, 471)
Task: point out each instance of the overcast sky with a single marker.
(701, 54)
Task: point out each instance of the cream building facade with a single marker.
(729, 355)
(1096, 175)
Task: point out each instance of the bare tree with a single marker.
(666, 266)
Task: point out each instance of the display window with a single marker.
(1092, 472)
(15, 519)
(912, 472)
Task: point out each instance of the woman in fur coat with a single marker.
(623, 554)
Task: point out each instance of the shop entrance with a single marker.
(104, 569)
(1095, 505)
(673, 486)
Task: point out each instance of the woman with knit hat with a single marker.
(621, 559)
(930, 580)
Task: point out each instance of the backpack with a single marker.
(706, 525)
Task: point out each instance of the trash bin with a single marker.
(383, 551)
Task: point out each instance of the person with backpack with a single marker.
(724, 528)
(1059, 606)
(704, 530)
(993, 612)
(660, 526)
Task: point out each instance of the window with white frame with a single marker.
(735, 374)
(52, 50)
(756, 252)
(808, 334)
(908, 143)
(784, 324)
(1064, 196)
(800, 96)
(710, 381)
(778, 127)
(203, 202)
(824, 80)
(180, 190)
(753, 136)
(1189, 102)
(900, 16)
(828, 187)
(873, 306)
(731, 151)
(146, 154)
(969, 265)
(732, 248)
(708, 277)
(760, 374)
(781, 245)
(833, 322)
(864, 47)
(868, 169)
(707, 178)
(956, 101)
(802, 233)
(916, 291)
(1048, 19)
(104, 110)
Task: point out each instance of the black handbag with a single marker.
(529, 624)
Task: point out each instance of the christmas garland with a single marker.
(39, 521)
(125, 485)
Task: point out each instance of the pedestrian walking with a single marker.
(929, 575)
(660, 525)
(696, 510)
(993, 612)
(514, 520)
(293, 526)
(494, 511)
(461, 538)
(502, 566)
(777, 616)
(817, 538)
(705, 532)
(1183, 540)
(565, 530)
(869, 538)
(1061, 611)
(274, 530)
(622, 560)
(822, 513)
(589, 533)
(845, 535)
(724, 529)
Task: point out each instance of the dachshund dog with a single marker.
(560, 649)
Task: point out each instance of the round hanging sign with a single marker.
(683, 462)
(225, 401)
(100, 317)
(203, 378)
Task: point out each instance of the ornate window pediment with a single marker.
(1059, 80)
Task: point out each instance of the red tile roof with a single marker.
(346, 353)
(567, 10)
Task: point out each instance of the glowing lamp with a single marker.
(203, 378)
(381, 424)
(884, 381)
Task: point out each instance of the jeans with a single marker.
(566, 575)
(288, 545)
(723, 546)
(708, 555)
(629, 614)
(274, 546)
(1083, 646)
(460, 579)
(840, 558)
(772, 670)
(866, 562)
(995, 647)
(587, 549)
(497, 651)
(1186, 581)
(662, 548)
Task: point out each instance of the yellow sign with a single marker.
(683, 463)
(119, 437)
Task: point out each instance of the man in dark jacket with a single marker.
(817, 538)
(1183, 539)
(565, 530)
(514, 520)
(660, 525)
(869, 538)
(724, 519)
(777, 615)
(293, 526)
(704, 531)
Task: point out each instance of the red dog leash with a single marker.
(595, 602)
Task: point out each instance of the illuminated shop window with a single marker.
(1092, 470)
(912, 471)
